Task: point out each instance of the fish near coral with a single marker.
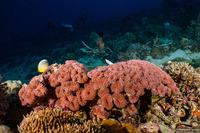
(43, 65)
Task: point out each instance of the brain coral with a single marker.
(118, 86)
(3, 102)
(55, 120)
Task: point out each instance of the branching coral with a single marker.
(55, 120)
(183, 74)
(45, 120)
(87, 127)
(188, 80)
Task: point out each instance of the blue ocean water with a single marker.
(55, 30)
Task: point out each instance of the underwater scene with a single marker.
(109, 66)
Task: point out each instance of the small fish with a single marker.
(43, 65)
(108, 62)
(69, 26)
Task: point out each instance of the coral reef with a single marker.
(188, 79)
(129, 54)
(133, 92)
(56, 84)
(86, 127)
(94, 37)
(55, 120)
(185, 42)
(47, 119)
(122, 84)
(117, 86)
(183, 74)
(170, 114)
(134, 51)
(13, 88)
(129, 37)
(151, 127)
(15, 111)
(194, 28)
(136, 92)
(180, 111)
(4, 103)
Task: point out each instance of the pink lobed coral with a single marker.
(56, 86)
(118, 85)
(33, 93)
(122, 84)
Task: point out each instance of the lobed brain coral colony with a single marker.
(100, 91)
